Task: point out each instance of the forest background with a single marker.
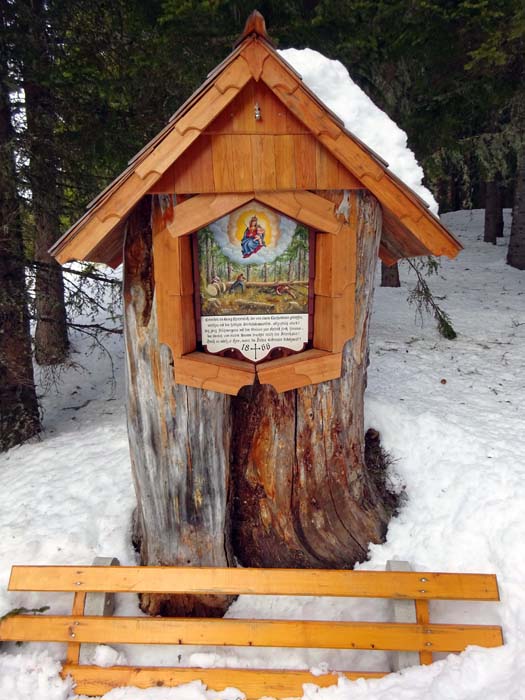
(84, 84)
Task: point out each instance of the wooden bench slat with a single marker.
(264, 633)
(95, 681)
(307, 582)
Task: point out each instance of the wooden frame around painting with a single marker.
(331, 324)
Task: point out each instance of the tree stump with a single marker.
(179, 443)
(301, 494)
(286, 470)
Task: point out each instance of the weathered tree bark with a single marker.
(286, 470)
(19, 416)
(179, 443)
(51, 341)
(390, 275)
(516, 250)
(301, 493)
(493, 213)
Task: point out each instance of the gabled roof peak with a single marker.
(255, 25)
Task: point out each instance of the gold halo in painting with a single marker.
(239, 221)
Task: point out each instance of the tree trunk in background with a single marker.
(19, 417)
(390, 275)
(179, 443)
(51, 341)
(516, 251)
(493, 213)
(301, 493)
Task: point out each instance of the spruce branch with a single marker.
(424, 300)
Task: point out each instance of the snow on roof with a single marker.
(331, 82)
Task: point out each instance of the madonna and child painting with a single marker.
(254, 261)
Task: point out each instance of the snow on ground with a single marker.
(332, 83)
(450, 413)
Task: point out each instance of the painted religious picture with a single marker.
(254, 274)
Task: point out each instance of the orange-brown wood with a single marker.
(285, 165)
(306, 207)
(213, 372)
(236, 162)
(263, 162)
(172, 258)
(224, 162)
(305, 153)
(402, 203)
(73, 648)
(408, 585)
(336, 260)
(177, 328)
(308, 367)
(239, 116)
(119, 201)
(334, 320)
(255, 24)
(287, 106)
(423, 618)
(261, 633)
(197, 212)
(96, 681)
(387, 255)
(192, 172)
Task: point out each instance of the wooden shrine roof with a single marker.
(409, 228)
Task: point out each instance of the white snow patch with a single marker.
(459, 451)
(332, 83)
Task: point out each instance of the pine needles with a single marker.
(424, 300)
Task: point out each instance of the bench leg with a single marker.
(97, 604)
(407, 611)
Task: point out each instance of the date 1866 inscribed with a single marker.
(254, 271)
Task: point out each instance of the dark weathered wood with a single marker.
(19, 418)
(301, 494)
(179, 443)
(390, 275)
(493, 213)
(51, 340)
(516, 251)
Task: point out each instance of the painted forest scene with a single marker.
(253, 261)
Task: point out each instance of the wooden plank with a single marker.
(176, 321)
(263, 162)
(196, 212)
(193, 171)
(273, 112)
(306, 207)
(305, 174)
(73, 648)
(260, 633)
(172, 262)
(335, 261)
(231, 581)
(326, 166)
(224, 163)
(294, 371)
(94, 680)
(284, 162)
(243, 170)
(334, 320)
(214, 373)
